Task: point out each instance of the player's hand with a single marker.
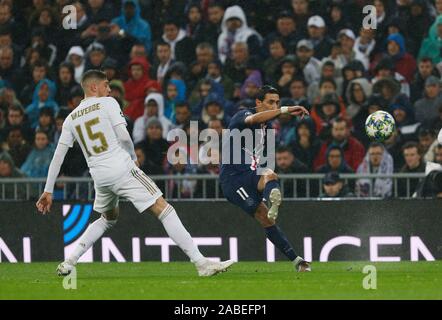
(44, 204)
(299, 111)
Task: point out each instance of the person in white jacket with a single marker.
(234, 29)
(153, 107)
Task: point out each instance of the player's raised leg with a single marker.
(269, 185)
(178, 233)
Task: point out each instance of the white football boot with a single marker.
(275, 201)
(209, 268)
(65, 268)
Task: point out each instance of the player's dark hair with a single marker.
(265, 90)
(93, 74)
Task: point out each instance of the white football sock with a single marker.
(179, 234)
(92, 234)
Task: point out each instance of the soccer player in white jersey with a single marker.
(100, 128)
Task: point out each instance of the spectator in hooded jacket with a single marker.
(182, 47)
(432, 45)
(44, 95)
(404, 63)
(385, 69)
(234, 30)
(335, 161)
(376, 161)
(135, 87)
(175, 93)
(358, 91)
(153, 108)
(37, 163)
(131, 22)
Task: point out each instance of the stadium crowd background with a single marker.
(172, 61)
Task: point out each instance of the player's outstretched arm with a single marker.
(262, 117)
(45, 202)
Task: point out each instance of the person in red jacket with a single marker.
(135, 87)
(354, 151)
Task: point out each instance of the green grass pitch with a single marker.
(245, 280)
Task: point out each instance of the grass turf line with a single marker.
(244, 280)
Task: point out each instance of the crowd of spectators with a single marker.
(173, 61)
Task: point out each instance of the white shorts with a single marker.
(136, 187)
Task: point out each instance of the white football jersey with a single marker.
(91, 125)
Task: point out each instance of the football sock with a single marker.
(92, 234)
(179, 234)
(272, 184)
(277, 237)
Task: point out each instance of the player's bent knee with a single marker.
(111, 215)
(158, 207)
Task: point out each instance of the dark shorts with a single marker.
(242, 190)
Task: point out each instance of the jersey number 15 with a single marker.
(92, 137)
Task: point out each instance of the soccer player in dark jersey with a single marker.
(255, 191)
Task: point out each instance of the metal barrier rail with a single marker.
(205, 186)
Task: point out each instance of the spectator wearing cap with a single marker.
(287, 163)
(44, 95)
(95, 56)
(234, 30)
(335, 187)
(154, 146)
(385, 69)
(38, 160)
(135, 87)
(347, 38)
(130, 22)
(65, 82)
(324, 112)
(427, 108)
(278, 51)
(76, 57)
(286, 33)
(425, 68)
(182, 47)
(308, 63)
(377, 161)
(214, 73)
(341, 136)
(288, 70)
(432, 45)
(322, 44)
(153, 108)
(335, 161)
(364, 46)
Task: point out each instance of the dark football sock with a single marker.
(272, 184)
(277, 237)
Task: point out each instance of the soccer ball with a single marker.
(379, 126)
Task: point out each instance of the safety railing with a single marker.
(206, 186)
